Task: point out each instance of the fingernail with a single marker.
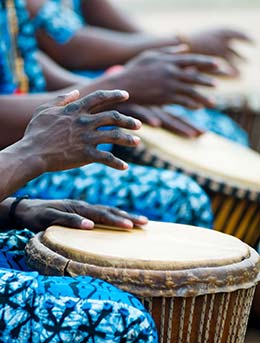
(143, 218)
(125, 94)
(128, 223)
(74, 93)
(136, 139)
(138, 122)
(87, 224)
(125, 166)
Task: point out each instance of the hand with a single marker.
(157, 78)
(37, 215)
(159, 117)
(64, 134)
(218, 43)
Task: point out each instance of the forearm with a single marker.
(5, 207)
(97, 48)
(19, 164)
(103, 14)
(57, 77)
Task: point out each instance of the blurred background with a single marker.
(180, 16)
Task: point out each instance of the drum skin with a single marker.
(235, 204)
(208, 302)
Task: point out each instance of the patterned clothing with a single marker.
(24, 45)
(159, 194)
(42, 309)
(212, 120)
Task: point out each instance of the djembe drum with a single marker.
(198, 284)
(228, 172)
(245, 110)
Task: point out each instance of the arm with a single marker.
(100, 48)
(103, 13)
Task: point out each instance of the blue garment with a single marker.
(25, 47)
(42, 309)
(212, 120)
(66, 22)
(159, 194)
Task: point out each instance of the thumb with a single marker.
(174, 50)
(66, 99)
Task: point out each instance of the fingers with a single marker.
(108, 159)
(145, 114)
(60, 100)
(177, 125)
(116, 119)
(235, 34)
(174, 50)
(193, 77)
(201, 62)
(63, 100)
(109, 216)
(72, 220)
(194, 96)
(233, 54)
(115, 136)
(100, 100)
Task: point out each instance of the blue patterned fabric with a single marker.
(41, 309)
(214, 121)
(159, 194)
(27, 48)
(65, 25)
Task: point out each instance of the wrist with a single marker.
(30, 161)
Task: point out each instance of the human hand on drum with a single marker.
(217, 42)
(64, 134)
(37, 215)
(159, 117)
(157, 78)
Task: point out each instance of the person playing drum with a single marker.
(46, 309)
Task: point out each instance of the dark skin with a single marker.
(112, 38)
(37, 215)
(172, 76)
(63, 135)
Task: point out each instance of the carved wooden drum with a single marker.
(228, 172)
(198, 284)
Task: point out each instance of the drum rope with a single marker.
(162, 321)
(202, 319)
(182, 321)
(170, 320)
(222, 315)
(211, 307)
(189, 329)
(234, 318)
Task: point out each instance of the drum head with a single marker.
(158, 246)
(161, 259)
(209, 156)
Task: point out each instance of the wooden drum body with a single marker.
(198, 284)
(229, 173)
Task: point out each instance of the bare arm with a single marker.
(98, 48)
(103, 13)
(18, 165)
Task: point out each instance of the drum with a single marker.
(245, 110)
(228, 172)
(198, 284)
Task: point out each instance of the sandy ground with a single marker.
(163, 17)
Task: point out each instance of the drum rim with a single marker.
(192, 282)
(214, 184)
